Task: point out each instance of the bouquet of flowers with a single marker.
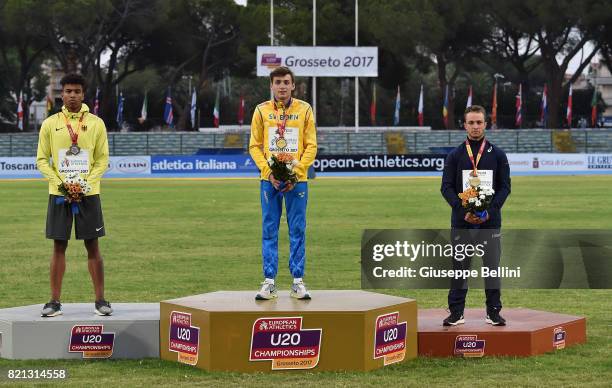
(73, 189)
(282, 167)
(477, 200)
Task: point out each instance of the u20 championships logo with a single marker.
(184, 338)
(390, 338)
(91, 341)
(469, 346)
(559, 338)
(285, 343)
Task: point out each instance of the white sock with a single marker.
(269, 281)
(297, 280)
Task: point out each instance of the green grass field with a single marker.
(172, 238)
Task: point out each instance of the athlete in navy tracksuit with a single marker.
(494, 170)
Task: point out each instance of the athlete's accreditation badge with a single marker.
(286, 143)
(483, 179)
(69, 162)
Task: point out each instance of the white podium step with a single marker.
(131, 332)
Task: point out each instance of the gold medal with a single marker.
(281, 142)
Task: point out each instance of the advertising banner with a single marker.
(368, 162)
(191, 164)
(559, 162)
(128, 165)
(118, 166)
(22, 167)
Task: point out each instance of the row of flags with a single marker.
(518, 119)
(169, 113)
(168, 116)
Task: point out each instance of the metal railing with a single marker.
(338, 141)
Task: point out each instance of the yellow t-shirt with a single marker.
(54, 141)
(300, 137)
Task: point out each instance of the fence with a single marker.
(338, 141)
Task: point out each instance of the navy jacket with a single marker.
(493, 158)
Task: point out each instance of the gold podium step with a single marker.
(335, 330)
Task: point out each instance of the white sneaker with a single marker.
(299, 291)
(267, 292)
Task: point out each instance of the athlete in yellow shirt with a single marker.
(283, 124)
(76, 142)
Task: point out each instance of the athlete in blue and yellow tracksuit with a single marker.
(301, 142)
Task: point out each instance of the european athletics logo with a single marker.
(271, 61)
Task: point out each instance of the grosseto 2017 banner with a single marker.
(319, 61)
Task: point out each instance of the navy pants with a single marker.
(459, 288)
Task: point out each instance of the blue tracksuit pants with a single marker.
(271, 209)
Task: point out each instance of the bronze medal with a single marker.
(474, 181)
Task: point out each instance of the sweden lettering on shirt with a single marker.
(291, 116)
(292, 136)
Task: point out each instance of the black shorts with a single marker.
(89, 223)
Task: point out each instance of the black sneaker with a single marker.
(52, 309)
(454, 319)
(493, 318)
(103, 308)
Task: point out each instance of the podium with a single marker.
(335, 330)
(131, 332)
(528, 333)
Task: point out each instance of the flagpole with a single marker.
(356, 78)
(568, 114)
(314, 43)
(271, 33)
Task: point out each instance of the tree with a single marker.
(509, 44)
(561, 29)
(83, 36)
(22, 51)
(202, 37)
(445, 32)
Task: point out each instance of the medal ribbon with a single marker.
(74, 136)
(471, 155)
(280, 126)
